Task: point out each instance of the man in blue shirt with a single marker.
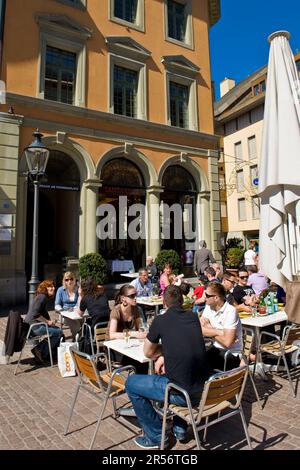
(142, 284)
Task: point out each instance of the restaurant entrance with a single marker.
(123, 187)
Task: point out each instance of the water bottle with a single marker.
(269, 306)
(275, 304)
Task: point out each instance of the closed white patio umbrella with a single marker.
(279, 172)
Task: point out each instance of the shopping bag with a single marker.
(65, 361)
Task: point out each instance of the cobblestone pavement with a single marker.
(34, 407)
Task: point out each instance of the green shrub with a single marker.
(168, 256)
(234, 257)
(93, 265)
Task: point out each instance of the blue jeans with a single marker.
(143, 388)
(55, 335)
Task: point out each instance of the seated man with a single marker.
(180, 358)
(142, 284)
(244, 296)
(221, 322)
(151, 268)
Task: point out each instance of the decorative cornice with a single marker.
(11, 118)
(214, 11)
(118, 120)
(180, 64)
(127, 47)
(62, 24)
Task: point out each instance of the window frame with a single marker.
(252, 138)
(251, 170)
(238, 145)
(59, 79)
(189, 33)
(255, 207)
(192, 104)
(240, 185)
(137, 66)
(140, 16)
(63, 33)
(240, 200)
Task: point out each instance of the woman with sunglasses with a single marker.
(67, 298)
(126, 315)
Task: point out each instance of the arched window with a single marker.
(178, 179)
(122, 173)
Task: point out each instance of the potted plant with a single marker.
(93, 265)
(234, 257)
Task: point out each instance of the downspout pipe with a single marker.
(2, 21)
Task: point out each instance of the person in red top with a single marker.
(199, 294)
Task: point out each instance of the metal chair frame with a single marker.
(35, 338)
(248, 339)
(279, 347)
(103, 386)
(217, 396)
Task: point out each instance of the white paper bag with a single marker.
(64, 359)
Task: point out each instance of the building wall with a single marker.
(232, 165)
(90, 134)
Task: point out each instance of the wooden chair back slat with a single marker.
(293, 335)
(85, 366)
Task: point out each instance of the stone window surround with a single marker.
(140, 17)
(63, 38)
(139, 67)
(192, 104)
(189, 36)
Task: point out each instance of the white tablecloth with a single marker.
(120, 265)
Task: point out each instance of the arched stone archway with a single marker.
(184, 182)
(62, 197)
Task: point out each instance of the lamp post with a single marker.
(37, 158)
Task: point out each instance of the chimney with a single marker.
(226, 85)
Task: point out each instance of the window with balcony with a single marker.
(252, 147)
(178, 22)
(128, 12)
(242, 209)
(60, 75)
(240, 181)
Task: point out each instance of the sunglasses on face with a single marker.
(69, 279)
(209, 295)
(131, 296)
(244, 277)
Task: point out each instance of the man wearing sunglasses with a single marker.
(243, 294)
(221, 322)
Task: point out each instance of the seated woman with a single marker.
(67, 298)
(37, 313)
(126, 315)
(167, 278)
(94, 301)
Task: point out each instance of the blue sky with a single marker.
(238, 41)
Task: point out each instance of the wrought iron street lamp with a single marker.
(37, 156)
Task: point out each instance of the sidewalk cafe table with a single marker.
(72, 315)
(258, 323)
(151, 302)
(134, 350)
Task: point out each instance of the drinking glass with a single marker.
(254, 311)
(126, 336)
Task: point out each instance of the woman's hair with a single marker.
(168, 265)
(42, 287)
(123, 292)
(185, 288)
(68, 275)
(89, 287)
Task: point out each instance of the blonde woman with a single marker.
(67, 298)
